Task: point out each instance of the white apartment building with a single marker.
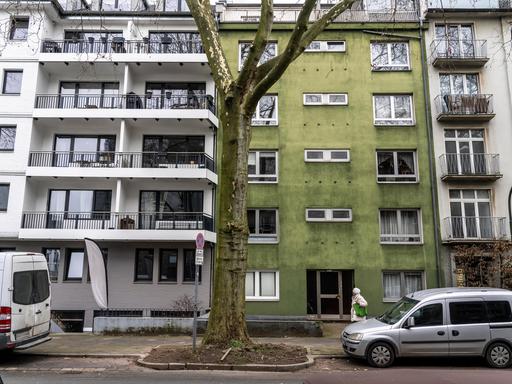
(469, 70)
(107, 131)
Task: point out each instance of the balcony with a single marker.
(447, 53)
(178, 165)
(116, 225)
(474, 229)
(464, 108)
(123, 7)
(470, 167)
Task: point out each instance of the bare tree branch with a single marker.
(259, 44)
(202, 13)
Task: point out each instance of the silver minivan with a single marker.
(437, 322)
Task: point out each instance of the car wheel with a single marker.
(380, 355)
(499, 355)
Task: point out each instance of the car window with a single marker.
(41, 286)
(499, 311)
(468, 312)
(429, 315)
(22, 293)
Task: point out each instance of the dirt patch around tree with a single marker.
(275, 354)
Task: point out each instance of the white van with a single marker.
(24, 300)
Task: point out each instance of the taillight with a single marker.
(5, 319)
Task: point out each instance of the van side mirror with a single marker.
(410, 323)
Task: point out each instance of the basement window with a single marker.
(329, 215)
(325, 99)
(326, 155)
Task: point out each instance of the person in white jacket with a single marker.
(357, 298)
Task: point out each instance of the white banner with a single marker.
(97, 272)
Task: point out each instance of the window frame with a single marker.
(257, 286)
(324, 46)
(390, 67)
(325, 96)
(326, 156)
(258, 174)
(414, 178)
(329, 215)
(402, 274)
(8, 186)
(2, 127)
(53, 279)
(259, 238)
(386, 121)
(93, 214)
(401, 235)
(67, 263)
(160, 258)
(13, 28)
(4, 82)
(241, 62)
(137, 256)
(258, 121)
(188, 280)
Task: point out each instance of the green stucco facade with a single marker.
(353, 246)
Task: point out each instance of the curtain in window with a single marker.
(405, 163)
(267, 284)
(76, 265)
(409, 221)
(392, 285)
(249, 284)
(413, 283)
(388, 223)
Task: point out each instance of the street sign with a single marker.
(199, 256)
(199, 241)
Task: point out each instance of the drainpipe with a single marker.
(430, 140)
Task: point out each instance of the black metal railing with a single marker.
(120, 45)
(146, 312)
(121, 159)
(109, 7)
(130, 101)
(458, 49)
(470, 164)
(456, 104)
(118, 220)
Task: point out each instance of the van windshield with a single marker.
(397, 311)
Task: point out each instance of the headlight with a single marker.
(355, 336)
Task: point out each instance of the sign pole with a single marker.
(198, 262)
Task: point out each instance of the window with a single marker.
(329, 214)
(244, 47)
(19, 28)
(74, 265)
(189, 266)
(325, 99)
(167, 203)
(262, 285)
(389, 6)
(4, 196)
(175, 95)
(80, 204)
(12, 82)
(7, 138)
(266, 111)
(465, 152)
(168, 265)
(327, 155)
(262, 167)
(455, 40)
(498, 311)
(400, 226)
(53, 259)
(471, 215)
(397, 284)
(428, 315)
(468, 312)
(326, 46)
(175, 42)
(83, 151)
(396, 167)
(393, 110)
(459, 84)
(390, 56)
(88, 95)
(30, 287)
(262, 225)
(144, 265)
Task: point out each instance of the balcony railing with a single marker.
(475, 228)
(459, 52)
(140, 7)
(130, 101)
(457, 107)
(119, 45)
(470, 165)
(188, 160)
(118, 220)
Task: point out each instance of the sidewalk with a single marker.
(89, 345)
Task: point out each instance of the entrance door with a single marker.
(329, 292)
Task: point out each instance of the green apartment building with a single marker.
(340, 192)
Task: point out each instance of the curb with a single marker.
(85, 355)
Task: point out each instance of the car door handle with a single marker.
(440, 333)
(38, 312)
(455, 333)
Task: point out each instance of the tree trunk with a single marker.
(227, 318)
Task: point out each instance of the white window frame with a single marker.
(257, 287)
(402, 283)
(329, 215)
(400, 232)
(258, 121)
(393, 121)
(414, 178)
(390, 67)
(265, 238)
(325, 97)
(326, 156)
(324, 46)
(258, 174)
(241, 62)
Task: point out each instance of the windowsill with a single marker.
(10, 94)
(143, 282)
(168, 282)
(264, 125)
(253, 299)
(393, 125)
(72, 281)
(260, 240)
(391, 70)
(190, 283)
(384, 300)
(17, 40)
(7, 150)
(398, 182)
(401, 243)
(263, 182)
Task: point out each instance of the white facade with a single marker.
(133, 116)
